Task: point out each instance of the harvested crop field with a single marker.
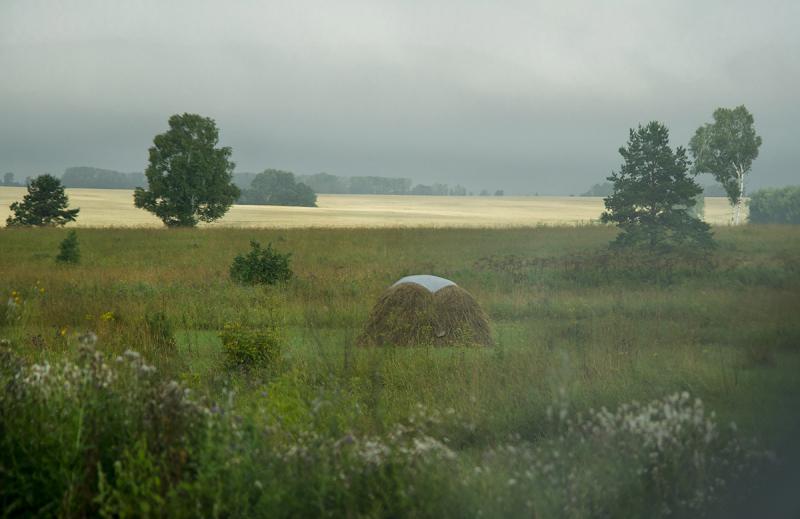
(114, 208)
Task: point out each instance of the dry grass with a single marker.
(410, 315)
(114, 208)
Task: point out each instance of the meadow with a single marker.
(114, 208)
(612, 388)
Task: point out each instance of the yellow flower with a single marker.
(63, 331)
(108, 316)
(41, 290)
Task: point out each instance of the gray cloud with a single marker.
(526, 96)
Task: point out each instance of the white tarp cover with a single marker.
(432, 283)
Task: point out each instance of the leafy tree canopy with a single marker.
(726, 149)
(45, 204)
(653, 193)
(276, 187)
(189, 176)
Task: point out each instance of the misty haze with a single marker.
(399, 259)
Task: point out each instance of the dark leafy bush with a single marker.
(68, 250)
(261, 266)
(776, 205)
(246, 348)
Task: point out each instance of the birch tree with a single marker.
(190, 178)
(726, 149)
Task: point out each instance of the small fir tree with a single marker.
(69, 252)
(653, 194)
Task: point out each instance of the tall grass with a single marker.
(571, 325)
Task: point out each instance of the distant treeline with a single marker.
(9, 181)
(363, 185)
(97, 178)
(606, 188)
(86, 177)
(370, 185)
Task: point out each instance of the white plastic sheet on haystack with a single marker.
(432, 283)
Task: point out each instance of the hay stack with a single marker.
(408, 314)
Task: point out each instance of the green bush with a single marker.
(775, 205)
(68, 250)
(261, 266)
(246, 348)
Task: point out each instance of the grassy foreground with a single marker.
(544, 424)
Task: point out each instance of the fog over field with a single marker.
(524, 96)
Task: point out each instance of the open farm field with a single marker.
(331, 429)
(114, 208)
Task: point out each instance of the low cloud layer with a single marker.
(525, 96)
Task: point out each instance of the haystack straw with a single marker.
(410, 315)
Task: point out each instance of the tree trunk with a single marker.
(737, 213)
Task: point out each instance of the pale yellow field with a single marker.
(113, 207)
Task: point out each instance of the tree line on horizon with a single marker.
(190, 179)
(87, 177)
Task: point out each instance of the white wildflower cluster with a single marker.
(405, 444)
(352, 457)
(661, 425)
(134, 360)
(65, 378)
(670, 446)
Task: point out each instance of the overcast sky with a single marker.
(527, 96)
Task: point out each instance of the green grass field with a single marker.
(571, 335)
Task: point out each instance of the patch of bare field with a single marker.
(114, 208)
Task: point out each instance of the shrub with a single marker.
(776, 205)
(245, 348)
(159, 329)
(68, 250)
(261, 266)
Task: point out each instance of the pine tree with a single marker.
(45, 204)
(653, 195)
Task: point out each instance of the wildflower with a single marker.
(88, 339)
(63, 331)
(108, 316)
